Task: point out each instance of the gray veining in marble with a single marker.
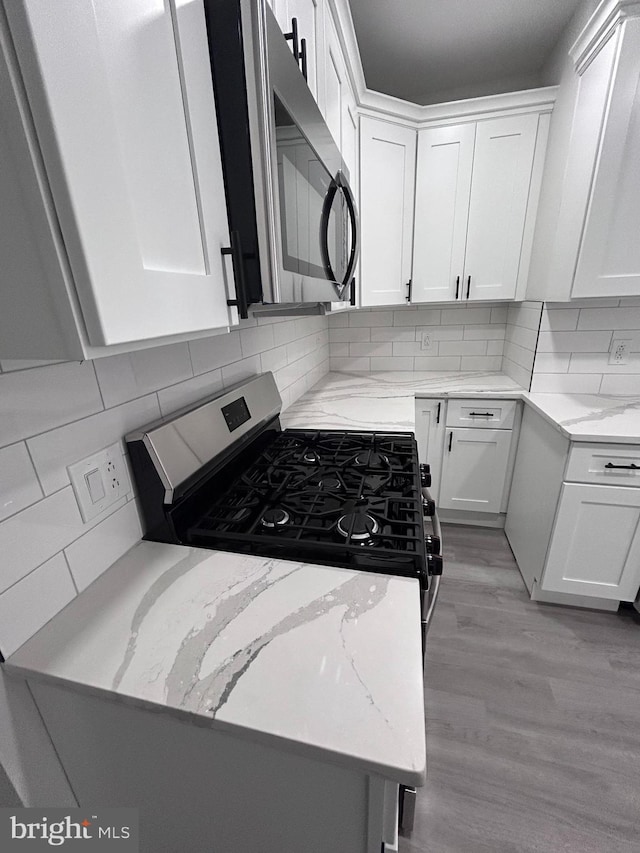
(325, 660)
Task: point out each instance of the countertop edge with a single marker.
(402, 775)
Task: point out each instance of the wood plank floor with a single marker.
(533, 716)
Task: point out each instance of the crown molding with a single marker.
(608, 16)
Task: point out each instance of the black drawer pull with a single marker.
(468, 286)
(438, 414)
(480, 414)
(457, 285)
(450, 440)
(632, 467)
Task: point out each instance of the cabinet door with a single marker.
(474, 469)
(502, 169)
(443, 187)
(430, 427)
(387, 179)
(307, 13)
(595, 547)
(335, 80)
(122, 99)
(609, 258)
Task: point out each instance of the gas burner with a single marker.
(357, 526)
(275, 517)
(372, 459)
(330, 483)
(311, 457)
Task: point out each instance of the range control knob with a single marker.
(434, 564)
(425, 479)
(428, 506)
(432, 544)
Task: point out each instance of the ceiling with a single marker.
(430, 51)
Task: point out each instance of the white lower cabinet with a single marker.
(474, 469)
(470, 465)
(595, 547)
(430, 427)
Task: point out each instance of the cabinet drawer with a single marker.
(616, 464)
(485, 414)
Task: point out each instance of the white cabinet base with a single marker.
(566, 599)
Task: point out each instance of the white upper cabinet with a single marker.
(592, 247)
(443, 188)
(335, 80)
(476, 192)
(502, 172)
(121, 97)
(308, 26)
(609, 257)
(387, 181)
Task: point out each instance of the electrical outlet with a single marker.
(99, 481)
(427, 344)
(619, 352)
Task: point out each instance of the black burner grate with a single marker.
(334, 497)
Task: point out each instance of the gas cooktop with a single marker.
(337, 497)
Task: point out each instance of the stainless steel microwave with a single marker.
(292, 214)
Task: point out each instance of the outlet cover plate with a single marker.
(427, 343)
(620, 349)
(99, 481)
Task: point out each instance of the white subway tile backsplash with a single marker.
(256, 340)
(428, 362)
(456, 316)
(609, 318)
(393, 333)
(125, 377)
(19, 486)
(35, 534)
(32, 401)
(369, 349)
(481, 362)
(240, 370)
(217, 351)
(441, 333)
(357, 365)
(54, 450)
(274, 359)
(349, 335)
(370, 318)
(516, 372)
(574, 341)
(463, 347)
(495, 347)
(340, 350)
(339, 321)
(392, 363)
(484, 333)
(520, 355)
(523, 336)
(598, 362)
(190, 391)
(7, 366)
(552, 362)
(499, 313)
(621, 385)
(412, 348)
(418, 317)
(92, 554)
(565, 383)
(560, 320)
(32, 602)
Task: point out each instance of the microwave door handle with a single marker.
(355, 229)
(324, 230)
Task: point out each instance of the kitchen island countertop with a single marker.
(322, 661)
(386, 401)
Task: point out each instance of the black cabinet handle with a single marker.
(457, 285)
(450, 440)
(438, 414)
(480, 414)
(468, 286)
(409, 283)
(632, 467)
(293, 37)
(303, 57)
(352, 297)
(240, 302)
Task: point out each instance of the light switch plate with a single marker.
(103, 476)
(427, 342)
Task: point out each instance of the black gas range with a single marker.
(224, 475)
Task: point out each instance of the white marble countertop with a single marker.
(385, 401)
(319, 660)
